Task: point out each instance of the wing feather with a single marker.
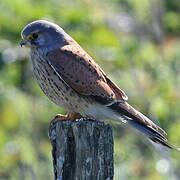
(82, 74)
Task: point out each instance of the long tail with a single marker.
(142, 123)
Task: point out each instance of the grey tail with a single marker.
(142, 123)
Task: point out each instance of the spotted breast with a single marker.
(53, 86)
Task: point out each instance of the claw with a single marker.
(60, 117)
(69, 116)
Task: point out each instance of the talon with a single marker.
(69, 116)
(74, 116)
(60, 117)
(57, 116)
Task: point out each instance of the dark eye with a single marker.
(35, 35)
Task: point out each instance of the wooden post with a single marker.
(82, 150)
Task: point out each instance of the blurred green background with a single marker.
(136, 42)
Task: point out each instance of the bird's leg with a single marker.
(74, 116)
(59, 117)
(69, 116)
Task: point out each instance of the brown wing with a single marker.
(81, 73)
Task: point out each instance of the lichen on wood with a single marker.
(82, 150)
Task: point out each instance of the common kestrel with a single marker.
(72, 80)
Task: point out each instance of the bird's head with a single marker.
(42, 34)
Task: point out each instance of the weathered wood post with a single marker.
(82, 150)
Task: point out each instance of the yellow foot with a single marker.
(69, 116)
(60, 117)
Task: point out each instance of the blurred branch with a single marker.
(128, 22)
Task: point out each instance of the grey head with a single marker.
(44, 35)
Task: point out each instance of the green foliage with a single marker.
(140, 53)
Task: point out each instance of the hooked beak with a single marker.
(23, 42)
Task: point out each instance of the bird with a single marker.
(71, 78)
